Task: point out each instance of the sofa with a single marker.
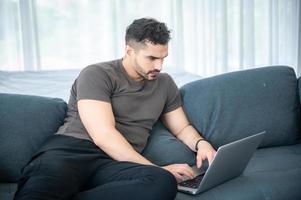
(224, 108)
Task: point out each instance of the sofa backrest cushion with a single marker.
(163, 148)
(231, 106)
(25, 123)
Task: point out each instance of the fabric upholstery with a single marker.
(163, 148)
(231, 106)
(25, 122)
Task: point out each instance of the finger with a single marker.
(210, 157)
(185, 170)
(186, 174)
(213, 154)
(178, 177)
(199, 162)
(188, 171)
(171, 169)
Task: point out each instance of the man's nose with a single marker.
(158, 65)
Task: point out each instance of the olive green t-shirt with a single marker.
(136, 106)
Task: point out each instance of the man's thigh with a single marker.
(116, 171)
(126, 180)
(55, 174)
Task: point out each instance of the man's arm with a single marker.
(177, 122)
(98, 119)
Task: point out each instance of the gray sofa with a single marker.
(224, 108)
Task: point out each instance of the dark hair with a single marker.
(147, 29)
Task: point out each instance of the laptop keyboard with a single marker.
(192, 183)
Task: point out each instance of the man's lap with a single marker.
(66, 163)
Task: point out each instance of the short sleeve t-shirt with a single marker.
(136, 106)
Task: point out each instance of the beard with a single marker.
(147, 75)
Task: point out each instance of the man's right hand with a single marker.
(180, 171)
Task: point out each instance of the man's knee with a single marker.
(47, 179)
(167, 179)
(165, 184)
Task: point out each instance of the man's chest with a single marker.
(140, 104)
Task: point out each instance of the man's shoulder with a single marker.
(165, 77)
(107, 66)
(103, 71)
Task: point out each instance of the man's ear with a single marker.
(129, 50)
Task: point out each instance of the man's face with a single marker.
(147, 61)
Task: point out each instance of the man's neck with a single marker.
(132, 74)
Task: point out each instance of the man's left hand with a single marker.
(205, 151)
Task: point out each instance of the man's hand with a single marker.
(205, 151)
(180, 171)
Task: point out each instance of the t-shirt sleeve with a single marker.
(174, 99)
(94, 83)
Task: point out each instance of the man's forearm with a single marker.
(189, 136)
(118, 148)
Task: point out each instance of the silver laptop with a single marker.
(229, 162)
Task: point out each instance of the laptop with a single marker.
(229, 162)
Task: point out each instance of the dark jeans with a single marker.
(71, 168)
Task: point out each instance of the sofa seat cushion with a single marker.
(235, 105)
(272, 173)
(25, 123)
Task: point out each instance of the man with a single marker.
(112, 108)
